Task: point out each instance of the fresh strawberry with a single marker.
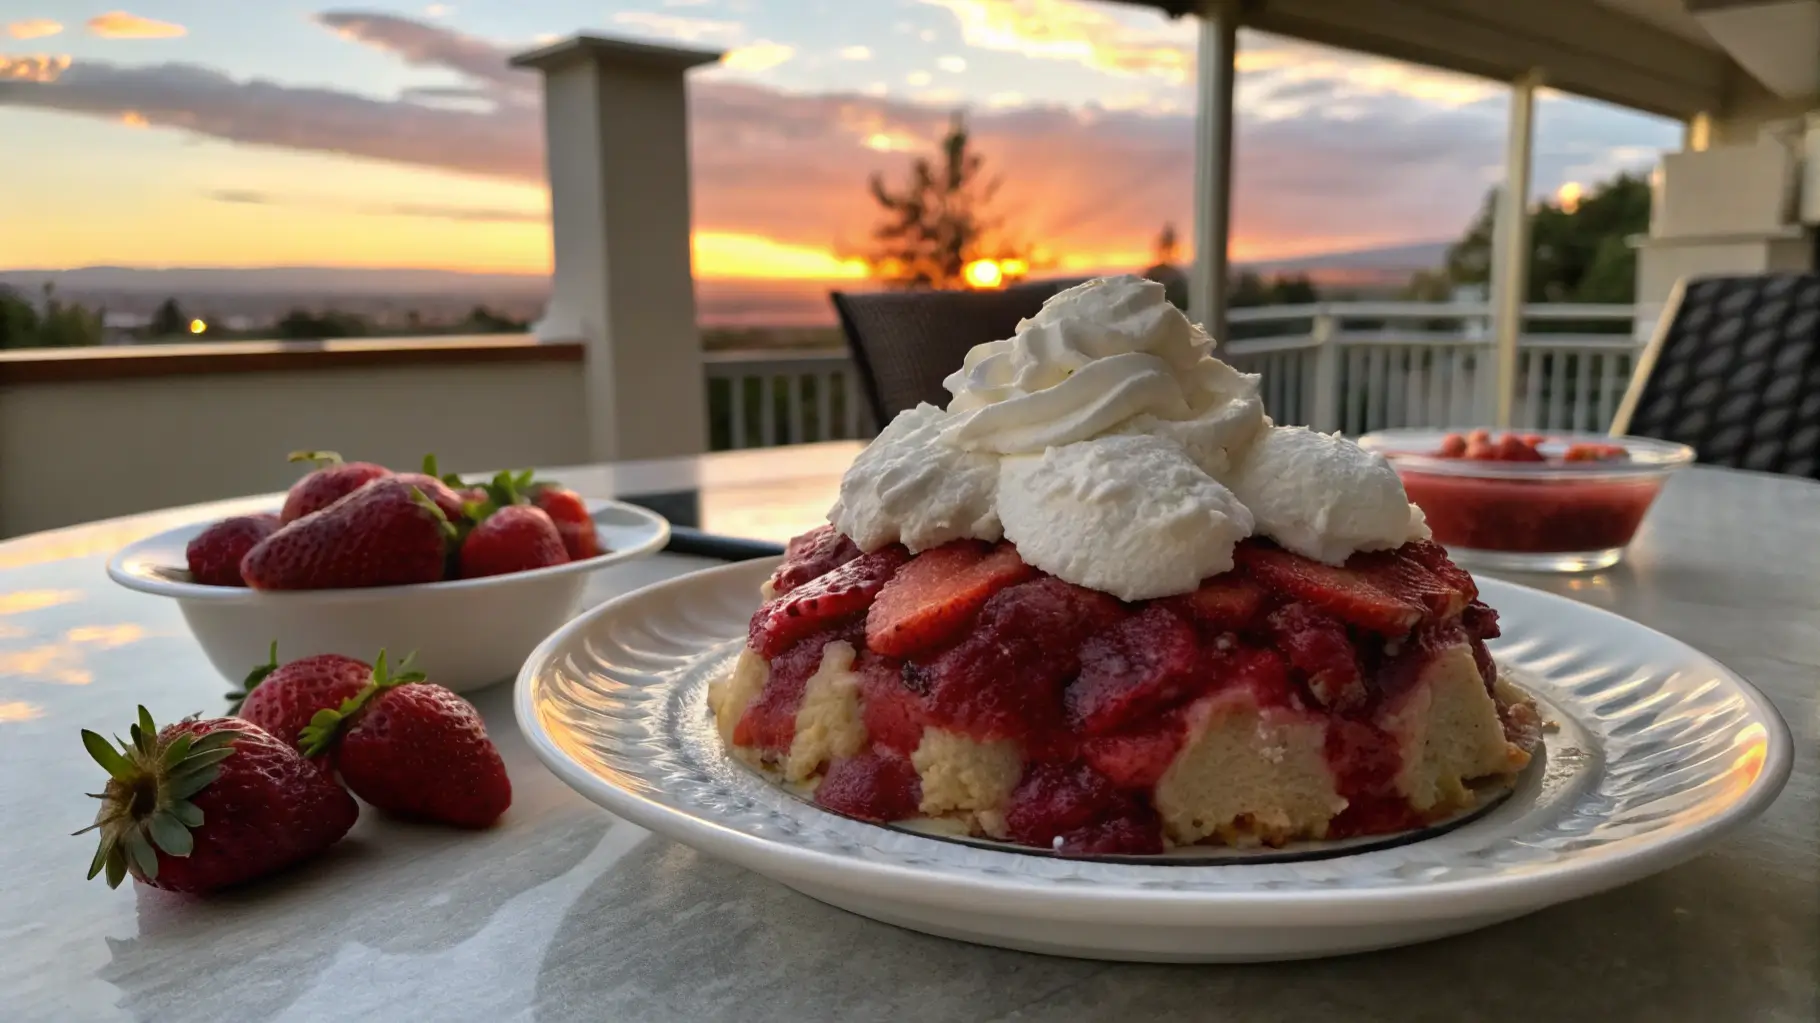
(938, 593)
(214, 555)
(1134, 670)
(569, 511)
(1512, 448)
(1224, 603)
(282, 700)
(810, 556)
(204, 804)
(1452, 446)
(1340, 592)
(333, 480)
(413, 748)
(387, 533)
(843, 593)
(517, 538)
(1317, 646)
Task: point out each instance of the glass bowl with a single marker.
(1539, 516)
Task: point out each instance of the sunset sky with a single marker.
(278, 132)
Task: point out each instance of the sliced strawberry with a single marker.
(1264, 673)
(1225, 603)
(1135, 670)
(1433, 556)
(1406, 579)
(1480, 621)
(893, 712)
(1317, 646)
(810, 556)
(822, 603)
(1345, 594)
(938, 593)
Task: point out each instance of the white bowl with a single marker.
(467, 633)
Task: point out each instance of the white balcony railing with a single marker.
(1349, 366)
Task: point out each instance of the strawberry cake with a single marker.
(1100, 604)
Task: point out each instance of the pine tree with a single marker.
(938, 222)
(169, 320)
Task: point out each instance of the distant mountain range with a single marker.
(269, 291)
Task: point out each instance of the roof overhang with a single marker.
(1581, 46)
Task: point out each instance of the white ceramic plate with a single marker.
(467, 633)
(1660, 752)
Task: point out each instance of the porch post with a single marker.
(617, 154)
(1215, 54)
(1510, 252)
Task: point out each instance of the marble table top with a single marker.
(563, 912)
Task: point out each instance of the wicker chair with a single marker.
(905, 342)
(1733, 371)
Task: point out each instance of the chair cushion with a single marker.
(1737, 377)
(904, 343)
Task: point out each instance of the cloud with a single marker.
(918, 78)
(121, 25)
(33, 28)
(1062, 30)
(34, 67)
(758, 56)
(687, 30)
(951, 64)
(790, 168)
(856, 53)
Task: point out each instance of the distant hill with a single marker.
(263, 293)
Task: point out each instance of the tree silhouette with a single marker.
(938, 222)
(1165, 271)
(169, 320)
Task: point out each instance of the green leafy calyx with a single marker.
(448, 528)
(145, 806)
(253, 678)
(326, 726)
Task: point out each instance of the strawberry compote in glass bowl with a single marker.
(1549, 502)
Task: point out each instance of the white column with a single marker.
(1510, 252)
(1208, 278)
(617, 152)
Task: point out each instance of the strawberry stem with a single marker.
(253, 678)
(321, 458)
(326, 725)
(442, 519)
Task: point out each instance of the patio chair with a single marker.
(1733, 371)
(905, 342)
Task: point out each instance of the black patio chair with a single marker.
(905, 342)
(1733, 371)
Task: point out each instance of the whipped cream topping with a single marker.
(1324, 497)
(1107, 442)
(1111, 355)
(908, 487)
(1132, 516)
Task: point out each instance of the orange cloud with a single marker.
(121, 25)
(36, 67)
(1061, 30)
(758, 56)
(33, 28)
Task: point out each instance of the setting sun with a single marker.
(984, 273)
